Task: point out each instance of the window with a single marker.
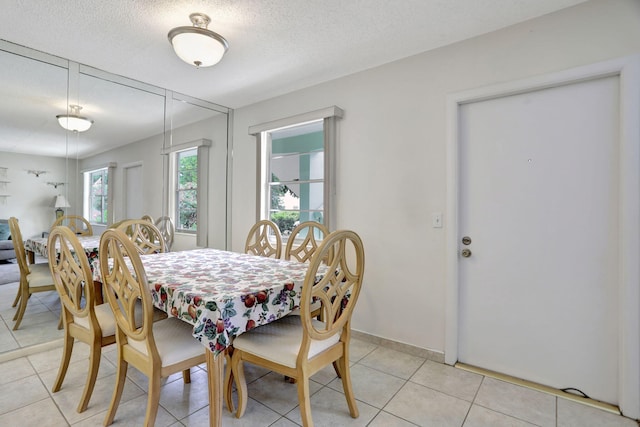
(295, 191)
(296, 168)
(186, 201)
(97, 192)
(188, 165)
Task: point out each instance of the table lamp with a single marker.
(60, 203)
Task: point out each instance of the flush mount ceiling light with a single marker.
(198, 45)
(74, 121)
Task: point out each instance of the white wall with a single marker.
(31, 199)
(391, 151)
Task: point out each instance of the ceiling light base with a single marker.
(200, 20)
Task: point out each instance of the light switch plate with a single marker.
(436, 219)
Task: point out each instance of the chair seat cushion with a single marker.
(174, 341)
(104, 314)
(279, 341)
(40, 277)
(106, 320)
(41, 268)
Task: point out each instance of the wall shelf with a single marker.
(3, 184)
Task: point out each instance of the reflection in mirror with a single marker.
(194, 121)
(135, 128)
(124, 113)
(33, 90)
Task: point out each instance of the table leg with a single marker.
(99, 298)
(31, 257)
(215, 372)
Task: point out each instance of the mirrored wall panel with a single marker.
(131, 129)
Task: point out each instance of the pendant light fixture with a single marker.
(198, 45)
(74, 121)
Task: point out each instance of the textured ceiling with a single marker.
(276, 46)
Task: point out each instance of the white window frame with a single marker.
(86, 196)
(202, 145)
(175, 158)
(262, 133)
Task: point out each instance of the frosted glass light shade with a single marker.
(74, 123)
(197, 45)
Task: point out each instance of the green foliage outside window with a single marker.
(187, 192)
(98, 196)
(278, 192)
(286, 220)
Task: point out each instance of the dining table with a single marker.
(222, 294)
(38, 245)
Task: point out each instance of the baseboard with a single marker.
(32, 349)
(435, 356)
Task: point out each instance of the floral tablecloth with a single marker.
(38, 245)
(222, 294)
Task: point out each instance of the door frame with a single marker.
(628, 71)
(125, 184)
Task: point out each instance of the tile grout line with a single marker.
(406, 381)
(49, 392)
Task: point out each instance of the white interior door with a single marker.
(132, 182)
(539, 199)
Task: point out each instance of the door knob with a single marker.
(465, 253)
(466, 240)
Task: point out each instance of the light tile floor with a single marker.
(393, 389)
(40, 321)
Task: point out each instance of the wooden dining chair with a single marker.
(264, 239)
(145, 235)
(167, 230)
(39, 267)
(300, 346)
(83, 319)
(78, 224)
(301, 245)
(156, 349)
(33, 278)
(117, 223)
(148, 218)
(304, 240)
